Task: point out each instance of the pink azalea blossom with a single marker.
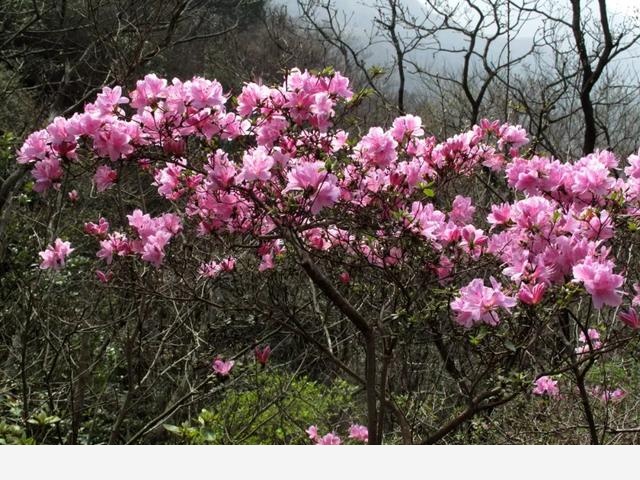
(531, 294)
(587, 346)
(592, 333)
(109, 99)
(262, 354)
(104, 277)
(613, 396)
(546, 386)
(210, 270)
(148, 91)
(266, 263)
(34, 148)
(630, 318)
(320, 186)
(608, 396)
(407, 126)
(513, 135)
(480, 304)
(443, 269)
(359, 433)
(99, 230)
(154, 233)
(251, 97)
(339, 85)
(312, 432)
(204, 93)
(473, 241)
(228, 264)
(222, 368)
(500, 214)
(153, 250)
(104, 178)
(330, 439)
(462, 210)
(378, 148)
(113, 140)
(256, 165)
(168, 181)
(54, 257)
(599, 281)
(47, 174)
(115, 244)
(322, 104)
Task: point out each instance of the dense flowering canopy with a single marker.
(272, 166)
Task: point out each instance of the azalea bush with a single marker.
(443, 278)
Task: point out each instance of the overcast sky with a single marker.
(624, 6)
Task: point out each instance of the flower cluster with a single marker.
(479, 304)
(273, 167)
(55, 255)
(608, 396)
(358, 433)
(546, 386)
(589, 342)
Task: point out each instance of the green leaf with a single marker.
(376, 71)
(327, 71)
(172, 428)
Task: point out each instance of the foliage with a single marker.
(272, 409)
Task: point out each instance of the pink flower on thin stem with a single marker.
(262, 354)
(222, 368)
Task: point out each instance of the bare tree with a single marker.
(599, 39)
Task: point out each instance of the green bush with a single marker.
(274, 409)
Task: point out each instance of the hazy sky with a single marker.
(625, 6)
